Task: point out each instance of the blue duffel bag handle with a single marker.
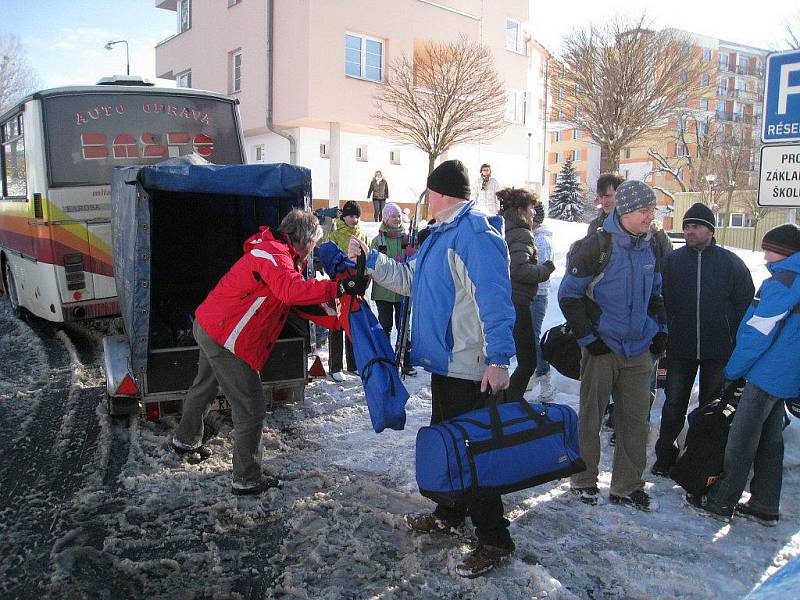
(491, 403)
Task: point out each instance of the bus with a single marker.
(58, 148)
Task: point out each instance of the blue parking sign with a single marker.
(782, 98)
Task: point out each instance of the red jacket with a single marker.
(248, 308)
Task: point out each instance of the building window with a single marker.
(323, 150)
(576, 134)
(394, 157)
(682, 76)
(259, 153)
(184, 15)
(514, 36)
(627, 153)
(554, 178)
(184, 80)
(557, 156)
(681, 150)
(626, 173)
(707, 54)
(363, 57)
(702, 127)
(719, 220)
(14, 175)
(686, 50)
(236, 71)
(682, 99)
(561, 93)
(515, 106)
(705, 79)
(558, 136)
(361, 152)
(741, 221)
(703, 103)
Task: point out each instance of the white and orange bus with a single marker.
(58, 148)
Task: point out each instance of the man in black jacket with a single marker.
(707, 290)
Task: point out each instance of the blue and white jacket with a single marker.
(766, 352)
(616, 304)
(462, 317)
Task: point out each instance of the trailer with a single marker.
(177, 227)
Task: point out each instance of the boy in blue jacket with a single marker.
(766, 358)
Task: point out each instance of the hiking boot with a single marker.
(337, 376)
(266, 482)
(409, 371)
(748, 512)
(587, 495)
(702, 506)
(484, 558)
(661, 468)
(638, 499)
(430, 523)
(193, 455)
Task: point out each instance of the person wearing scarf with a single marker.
(391, 240)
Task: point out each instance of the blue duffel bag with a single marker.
(501, 448)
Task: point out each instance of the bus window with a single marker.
(87, 135)
(14, 184)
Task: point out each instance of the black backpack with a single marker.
(561, 350)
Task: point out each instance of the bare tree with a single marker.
(621, 79)
(448, 94)
(17, 78)
(757, 212)
(791, 29)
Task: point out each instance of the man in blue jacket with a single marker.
(462, 321)
(707, 290)
(766, 357)
(617, 318)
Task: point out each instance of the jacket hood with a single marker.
(267, 235)
(790, 263)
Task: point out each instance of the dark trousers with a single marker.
(377, 207)
(389, 316)
(526, 352)
(681, 373)
(337, 338)
(451, 397)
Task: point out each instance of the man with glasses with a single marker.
(619, 321)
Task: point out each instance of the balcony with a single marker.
(726, 92)
(727, 68)
(742, 118)
(746, 70)
(748, 96)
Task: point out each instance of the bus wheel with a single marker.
(11, 290)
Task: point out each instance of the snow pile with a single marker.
(151, 525)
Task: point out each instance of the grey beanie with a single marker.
(633, 195)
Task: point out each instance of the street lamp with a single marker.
(109, 46)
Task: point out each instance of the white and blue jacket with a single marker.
(462, 317)
(619, 304)
(766, 352)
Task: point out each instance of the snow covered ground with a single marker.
(149, 525)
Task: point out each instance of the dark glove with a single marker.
(598, 348)
(659, 343)
(353, 286)
(550, 266)
(732, 391)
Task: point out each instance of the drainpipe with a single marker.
(270, 59)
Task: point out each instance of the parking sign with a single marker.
(782, 98)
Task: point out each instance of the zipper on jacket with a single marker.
(697, 300)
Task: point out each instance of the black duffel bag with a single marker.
(561, 350)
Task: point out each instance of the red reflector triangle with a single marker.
(127, 387)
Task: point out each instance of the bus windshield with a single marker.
(89, 134)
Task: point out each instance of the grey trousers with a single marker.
(628, 380)
(220, 368)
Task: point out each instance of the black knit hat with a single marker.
(451, 179)
(351, 208)
(783, 239)
(699, 214)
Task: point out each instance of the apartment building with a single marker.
(731, 101)
(330, 59)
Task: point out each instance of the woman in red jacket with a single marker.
(236, 327)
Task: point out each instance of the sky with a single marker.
(64, 44)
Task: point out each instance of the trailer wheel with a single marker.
(11, 290)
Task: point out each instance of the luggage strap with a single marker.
(367, 369)
(494, 415)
